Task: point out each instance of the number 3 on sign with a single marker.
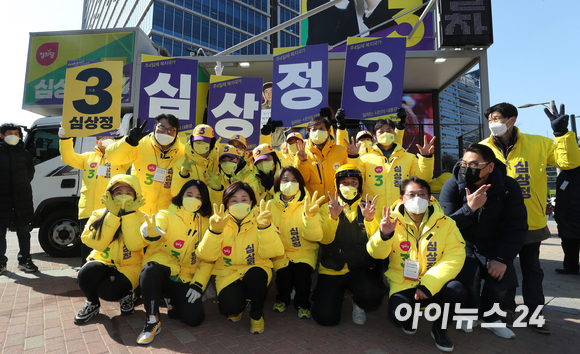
(384, 85)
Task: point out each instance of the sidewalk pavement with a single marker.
(37, 311)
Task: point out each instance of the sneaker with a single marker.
(88, 311)
(543, 329)
(279, 306)
(127, 304)
(567, 271)
(28, 266)
(509, 318)
(168, 303)
(442, 340)
(408, 328)
(358, 315)
(235, 318)
(2, 268)
(149, 332)
(303, 313)
(499, 329)
(257, 326)
(463, 325)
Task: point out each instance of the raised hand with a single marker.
(150, 231)
(62, 133)
(264, 219)
(402, 118)
(132, 206)
(369, 210)
(112, 206)
(312, 207)
(334, 207)
(559, 120)
(219, 219)
(387, 226)
(340, 119)
(428, 148)
(137, 133)
(352, 148)
(301, 153)
(213, 180)
(186, 166)
(478, 198)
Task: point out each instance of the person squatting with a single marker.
(359, 213)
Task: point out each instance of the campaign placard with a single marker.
(300, 83)
(374, 71)
(234, 107)
(92, 98)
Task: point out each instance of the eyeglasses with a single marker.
(472, 164)
(164, 129)
(497, 119)
(420, 195)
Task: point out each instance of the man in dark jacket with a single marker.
(566, 215)
(16, 208)
(489, 210)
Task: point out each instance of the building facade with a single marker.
(184, 26)
(461, 125)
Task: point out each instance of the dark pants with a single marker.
(481, 299)
(85, 250)
(295, 275)
(571, 248)
(253, 286)
(452, 293)
(367, 292)
(23, 233)
(97, 280)
(532, 277)
(154, 283)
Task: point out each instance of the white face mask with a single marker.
(319, 136)
(498, 129)
(416, 205)
(107, 142)
(163, 139)
(386, 138)
(11, 139)
(289, 188)
(348, 192)
(201, 147)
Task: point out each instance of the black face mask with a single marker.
(469, 174)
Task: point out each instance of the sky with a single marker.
(534, 57)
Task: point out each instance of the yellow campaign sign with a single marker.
(92, 99)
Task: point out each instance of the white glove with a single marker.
(61, 132)
(219, 69)
(145, 233)
(192, 295)
(120, 132)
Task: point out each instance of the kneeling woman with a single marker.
(171, 267)
(241, 242)
(112, 269)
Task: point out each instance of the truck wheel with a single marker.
(60, 234)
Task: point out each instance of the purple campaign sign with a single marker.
(373, 78)
(234, 108)
(300, 87)
(170, 87)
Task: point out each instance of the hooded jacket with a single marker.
(240, 247)
(382, 176)
(341, 244)
(318, 170)
(184, 231)
(438, 246)
(299, 233)
(146, 158)
(93, 185)
(498, 228)
(125, 253)
(16, 173)
(277, 166)
(200, 165)
(526, 162)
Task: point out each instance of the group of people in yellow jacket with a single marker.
(187, 212)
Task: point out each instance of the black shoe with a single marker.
(408, 328)
(567, 271)
(543, 329)
(127, 304)
(442, 340)
(509, 318)
(28, 266)
(88, 311)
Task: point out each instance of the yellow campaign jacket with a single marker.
(330, 228)
(239, 248)
(202, 164)
(145, 157)
(438, 246)
(176, 249)
(126, 253)
(93, 186)
(526, 163)
(299, 233)
(318, 170)
(270, 194)
(383, 177)
(246, 175)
